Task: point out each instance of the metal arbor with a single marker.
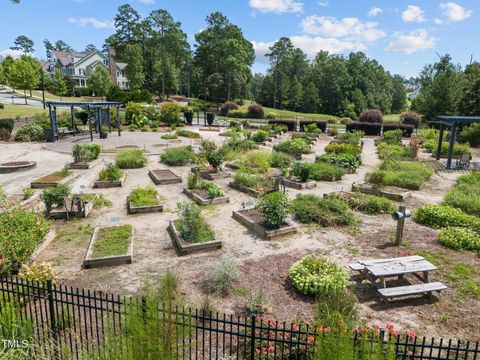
(102, 115)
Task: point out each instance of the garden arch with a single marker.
(102, 115)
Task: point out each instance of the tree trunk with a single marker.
(229, 86)
(275, 91)
(25, 95)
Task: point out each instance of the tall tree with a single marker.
(90, 47)
(99, 81)
(57, 84)
(48, 48)
(134, 69)
(127, 29)
(61, 45)
(23, 43)
(25, 74)
(399, 94)
(6, 66)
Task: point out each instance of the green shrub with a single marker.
(193, 180)
(146, 196)
(6, 127)
(314, 275)
(312, 129)
(133, 109)
(351, 149)
(369, 204)
(20, 234)
(131, 159)
(392, 137)
(177, 156)
(346, 161)
(188, 134)
(471, 134)
(37, 272)
(191, 224)
(281, 160)
(257, 161)
(275, 208)
(245, 179)
(170, 113)
(30, 132)
(325, 211)
(320, 171)
(215, 159)
(110, 173)
(294, 147)
(408, 175)
(237, 114)
(371, 116)
(237, 143)
(466, 194)
(458, 149)
(410, 118)
(260, 136)
(212, 189)
(55, 196)
(169, 136)
(459, 238)
(221, 278)
(394, 151)
(441, 216)
(353, 137)
(85, 152)
(255, 111)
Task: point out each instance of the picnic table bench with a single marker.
(380, 269)
(65, 131)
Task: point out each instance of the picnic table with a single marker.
(381, 269)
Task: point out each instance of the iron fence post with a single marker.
(252, 338)
(51, 309)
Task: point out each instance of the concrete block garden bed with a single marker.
(200, 196)
(389, 192)
(185, 248)
(254, 221)
(253, 192)
(52, 180)
(131, 209)
(85, 165)
(164, 177)
(100, 253)
(299, 185)
(103, 184)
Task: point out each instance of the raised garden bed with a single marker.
(254, 221)
(164, 177)
(200, 196)
(253, 192)
(389, 192)
(103, 184)
(299, 185)
(132, 209)
(52, 180)
(185, 248)
(85, 165)
(216, 129)
(92, 260)
(13, 166)
(61, 213)
(43, 245)
(210, 175)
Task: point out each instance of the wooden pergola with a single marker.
(451, 122)
(102, 114)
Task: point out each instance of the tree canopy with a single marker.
(99, 81)
(24, 44)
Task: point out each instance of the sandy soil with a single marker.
(261, 263)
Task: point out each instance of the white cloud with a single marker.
(455, 12)
(409, 43)
(374, 11)
(277, 6)
(97, 24)
(413, 14)
(438, 21)
(350, 29)
(311, 46)
(323, 3)
(147, 1)
(9, 52)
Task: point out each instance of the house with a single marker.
(79, 65)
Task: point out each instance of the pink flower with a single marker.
(390, 326)
(411, 334)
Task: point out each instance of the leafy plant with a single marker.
(188, 134)
(191, 225)
(406, 174)
(110, 173)
(27, 193)
(37, 272)
(170, 113)
(327, 211)
(54, 196)
(345, 161)
(394, 151)
(275, 208)
(85, 152)
(466, 194)
(258, 161)
(459, 238)
(257, 302)
(113, 240)
(334, 148)
(441, 216)
(317, 171)
(169, 136)
(392, 137)
(212, 189)
(260, 136)
(30, 132)
(177, 156)
(281, 160)
(410, 118)
(245, 179)
(131, 159)
(371, 116)
(255, 111)
(353, 137)
(312, 129)
(314, 275)
(146, 196)
(295, 147)
(471, 134)
(215, 159)
(221, 278)
(193, 180)
(369, 204)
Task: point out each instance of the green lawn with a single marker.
(18, 111)
(37, 95)
(391, 118)
(293, 114)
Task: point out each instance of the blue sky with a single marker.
(402, 35)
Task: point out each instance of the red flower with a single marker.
(390, 326)
(411, 334)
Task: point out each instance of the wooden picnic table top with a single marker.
(395, 268)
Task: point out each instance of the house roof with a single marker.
(65, 58)
(121, 65)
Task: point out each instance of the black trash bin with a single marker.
(49, 136)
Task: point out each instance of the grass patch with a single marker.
(406, 174)
(74, 235)
(131, 159)
(178, 156)
(188, 134)
(97, 199)
(110, 173)
(192, 226)
(111, 241)
(144, 196)
(327, 211)
(394, 151)
(368, 204)
(466, 194)
(18, 111)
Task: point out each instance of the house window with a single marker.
(81, 71)
(105, 61)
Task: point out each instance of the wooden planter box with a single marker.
(253, 192)
(299, 185)
(210, 175)
(185, 248)
(39, 184)
(164, 177)
(90, 262)
(85, 165)
(389, 192)
(60, 213)
(267, 234)
(200, 200)
(109, 184)
(216, 129)
(232, 166)
(143, 209)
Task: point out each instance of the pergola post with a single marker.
(55, 125)
(118, 120)
(90, 123)
(440, 141)
(50, 115)
(452, 144)
(108, 119)
(73, 120)
(99, 120)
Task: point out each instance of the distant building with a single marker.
(79, 65)
(414, 94)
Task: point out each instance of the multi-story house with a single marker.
(79, 65)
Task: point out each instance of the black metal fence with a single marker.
(67, 322)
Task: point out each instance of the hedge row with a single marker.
(292, 124)
(376, 128)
